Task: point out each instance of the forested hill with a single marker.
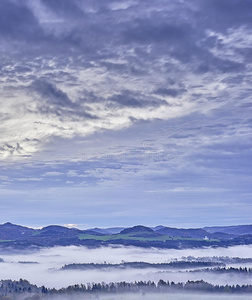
(22, 289)
(17, 236)
(143, 265)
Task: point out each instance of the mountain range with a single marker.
(17, 236)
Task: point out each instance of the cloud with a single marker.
(53, 174)
(29, 179)
(127, 98)
(56, 101)
(11, 149)
(144, 31)
(170, 92)
(85, 83)
(52, 94)
(65, 8)
(71, 225)
(227, 14)
(18, 21)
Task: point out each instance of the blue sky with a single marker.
(117, 113)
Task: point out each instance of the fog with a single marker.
(45, 269)
(174, 297)
(156, 296)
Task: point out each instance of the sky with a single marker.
(119, 113)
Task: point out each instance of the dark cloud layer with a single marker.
(65, 8)
(54, 100)
(18, 22)
(170, 92)
(52, 94)
(127, 98)
(225, 14)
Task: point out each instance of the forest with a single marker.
(10, 289)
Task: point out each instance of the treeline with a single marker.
(12, 290)
(221, 259)
(13, 287)
(245, 271)
(143, 265)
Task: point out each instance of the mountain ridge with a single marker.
(12, 235)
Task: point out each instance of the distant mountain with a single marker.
(195, 233)
(9, 231)
(92, 232)
(219, 231)
(139, 231)
(17, 236)
(112, 230)
(234, 230)
(187, 233)
(57, 231)
(99, 230)
(158, 227)
(221, 235)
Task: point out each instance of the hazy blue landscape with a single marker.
(115, 270)
(125, 149)
(20, 237)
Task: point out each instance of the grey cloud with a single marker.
(65, 7)
(127, 68)
(9, 149)
(62, 105)
(173, 37)
(22, 69)
(169, 92)
(17, 21)
(223, 65)
(165, 34)
(235, 79)
(246, 53)
(90, 97)
(98, 35)
(52, 94)
(128, 98)
(156, 30)
(226, 13)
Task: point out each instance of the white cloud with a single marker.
(53, 173)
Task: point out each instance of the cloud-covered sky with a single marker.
(125, 112)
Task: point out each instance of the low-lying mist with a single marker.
(174, 297)
(42, 267)
(155, 296)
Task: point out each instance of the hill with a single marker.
(9, 231)
(17, 236)
(139, 231)
(196, 233)
(233, 230)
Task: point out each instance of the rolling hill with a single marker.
(17, 236)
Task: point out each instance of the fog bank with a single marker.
(45, 269)
(155, 296)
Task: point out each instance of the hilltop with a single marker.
(17, 236)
